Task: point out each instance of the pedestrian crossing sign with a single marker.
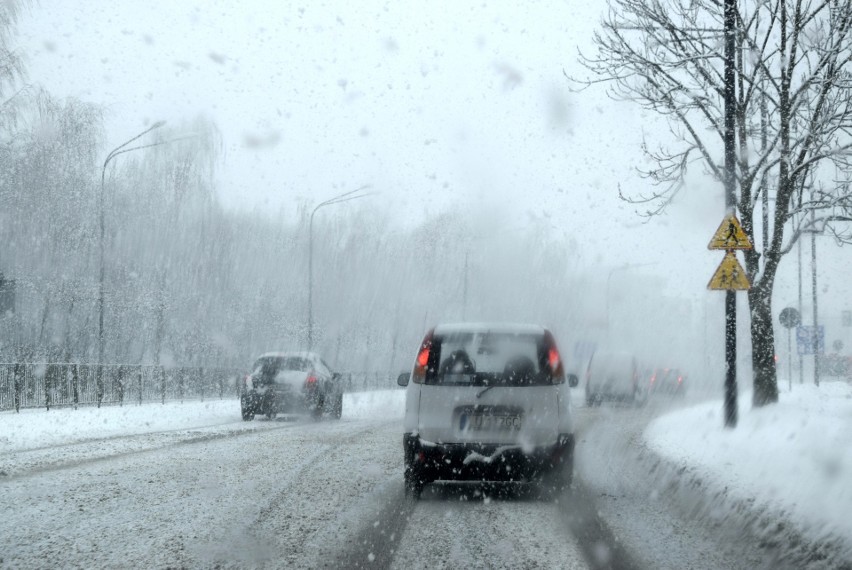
(730, 235)
(730, 276)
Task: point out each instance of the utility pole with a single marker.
(730, 207)
(764, 119)
(799, 253)
(815, 339)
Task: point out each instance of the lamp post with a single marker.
(113, 153)
(624, 267)
(814, 231)
(345, 197)
(815, 340)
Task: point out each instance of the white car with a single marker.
(488, 402)
(613, 376)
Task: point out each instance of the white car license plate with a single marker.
(490, 422)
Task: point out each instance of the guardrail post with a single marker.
(161, 374)
(119, 384)
(139, 383)
(18, 387)
(99, 384)
(47, 379)
(75, 385)
(199, 374)
(181, 380)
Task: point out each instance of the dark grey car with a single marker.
(291, 383)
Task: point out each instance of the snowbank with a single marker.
(37, 428)
(34, 428)
(793, 458)
(376, 405)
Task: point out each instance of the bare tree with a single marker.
(11, 66)
(793, 120)
(45, 197)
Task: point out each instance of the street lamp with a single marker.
(624, 267)
(113, 153)
(815, 330)
(345, 197)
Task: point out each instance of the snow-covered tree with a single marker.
(793, 120)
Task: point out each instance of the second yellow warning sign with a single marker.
(730, 275)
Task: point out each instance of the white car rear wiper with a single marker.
(481, 392)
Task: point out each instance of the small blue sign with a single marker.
(810, 340)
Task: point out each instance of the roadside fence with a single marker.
(50, 385)
(46, 385)
(367, 381)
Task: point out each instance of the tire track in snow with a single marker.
(377, 541)
(597, 541)
(492, 525)
(315, 502)
(311, 461)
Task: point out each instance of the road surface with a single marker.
(305, 494)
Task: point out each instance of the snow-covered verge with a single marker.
(37, 428)
(791, 462)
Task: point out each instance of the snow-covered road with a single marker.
(305, 494)
(291, 494)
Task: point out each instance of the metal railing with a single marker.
(51, 385)
(366, 381)
(46, 385)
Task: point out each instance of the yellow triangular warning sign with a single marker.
(730, 276)
(730, 235)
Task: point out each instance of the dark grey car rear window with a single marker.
(270, 366)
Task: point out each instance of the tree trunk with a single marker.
(763, 346)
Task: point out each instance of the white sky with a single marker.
(438, 104)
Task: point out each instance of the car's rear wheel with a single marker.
(316, 413)
(267, 405)
(565, 476)
(245, 408)
(337, 409)
(557, 481)
(413, 477)
(413, 484)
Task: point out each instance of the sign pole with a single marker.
(790, 318)
(730, 277)
(789, 360)
(730, 359)
(730, 206)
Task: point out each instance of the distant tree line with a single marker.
(189, 283)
